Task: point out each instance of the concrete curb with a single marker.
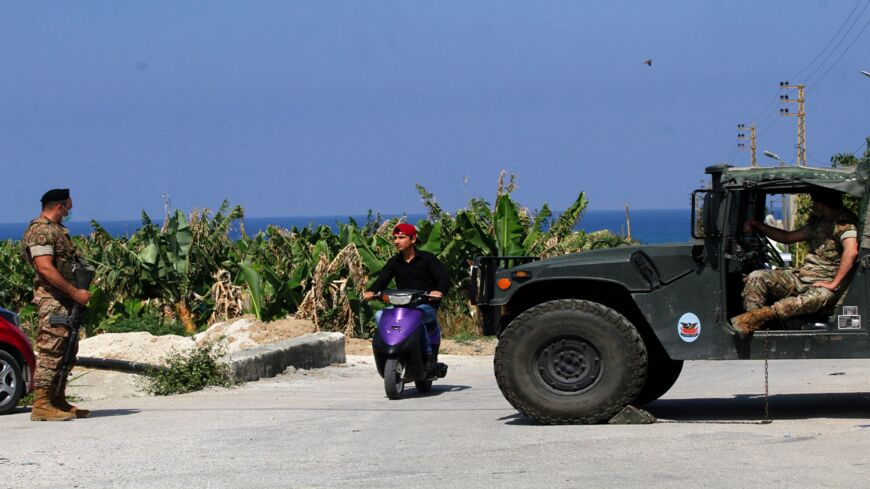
(309, 351)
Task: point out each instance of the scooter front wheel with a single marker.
(394, 377)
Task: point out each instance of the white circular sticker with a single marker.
(689, 327)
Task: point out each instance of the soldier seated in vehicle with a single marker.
(832, 238)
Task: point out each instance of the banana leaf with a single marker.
(509, 231)
(370, 259)
(568, 220)
(475, 236)
(429, 237)
(255, 288)
(537, 231)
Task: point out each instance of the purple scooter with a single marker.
(398, 347)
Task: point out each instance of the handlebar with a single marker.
(383, 294)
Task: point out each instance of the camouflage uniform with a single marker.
(793, 287)
(46, 237)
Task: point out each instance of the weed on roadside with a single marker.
(190, 371)
(467, 337)
(26, 400)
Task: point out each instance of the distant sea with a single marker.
(647, 226)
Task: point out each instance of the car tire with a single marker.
(570, 362)
(11, 382)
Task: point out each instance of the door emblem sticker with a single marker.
(849, 319)
(689, 327)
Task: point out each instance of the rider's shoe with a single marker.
(431, 361)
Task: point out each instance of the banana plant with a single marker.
(165, 260)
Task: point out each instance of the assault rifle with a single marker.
(73, 322)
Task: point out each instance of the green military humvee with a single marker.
(581, 336)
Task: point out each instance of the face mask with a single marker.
(68, 215)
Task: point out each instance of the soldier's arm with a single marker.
(776, 234)
(847, 260)
(46, 269)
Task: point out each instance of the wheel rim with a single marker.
(8, 382)
(400, 376)
(568, 365)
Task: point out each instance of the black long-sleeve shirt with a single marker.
(423, 272)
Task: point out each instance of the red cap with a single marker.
(407, 229)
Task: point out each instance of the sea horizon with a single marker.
(647, 225)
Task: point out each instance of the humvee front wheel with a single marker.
(569, 362)
(661, 376)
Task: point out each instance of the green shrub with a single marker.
(466, 337)
(26, 400)
(190, 371)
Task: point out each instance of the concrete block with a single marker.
(309, 351)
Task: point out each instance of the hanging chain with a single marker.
(766, 419)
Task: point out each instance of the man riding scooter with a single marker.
(414, 269)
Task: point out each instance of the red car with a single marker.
(17, 361)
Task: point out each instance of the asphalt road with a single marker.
(333, 427)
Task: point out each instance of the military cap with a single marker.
(55, 195)
(830, 198)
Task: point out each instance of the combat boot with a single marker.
(43, 410)
(750, 321)
(58, 399)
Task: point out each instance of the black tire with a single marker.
(570, 362)
(661, 376)
(423, 385)
(394, 378)
(11, 383)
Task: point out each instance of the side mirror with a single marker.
(705, 218)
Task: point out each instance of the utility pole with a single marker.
(801, 115)
(741, 136)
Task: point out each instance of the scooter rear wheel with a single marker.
(394, 377)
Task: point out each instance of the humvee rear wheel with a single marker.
(570, 361)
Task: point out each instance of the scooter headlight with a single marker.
(400, 300)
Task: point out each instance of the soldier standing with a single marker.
(48, 248)
(832, 238)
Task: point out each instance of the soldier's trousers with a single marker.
(51, 343)
(792, 296)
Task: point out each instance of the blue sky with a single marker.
(336, 107)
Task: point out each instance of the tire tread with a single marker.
(636, 344)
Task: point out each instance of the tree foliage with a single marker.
(189, 271)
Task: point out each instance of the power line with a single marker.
(842, 38)
(771, 116)
(815, 160)
(772, 121)
(843, 24)
(844, 51)
(754, 120)
(851, 20)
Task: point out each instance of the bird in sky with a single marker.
(648, 62)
